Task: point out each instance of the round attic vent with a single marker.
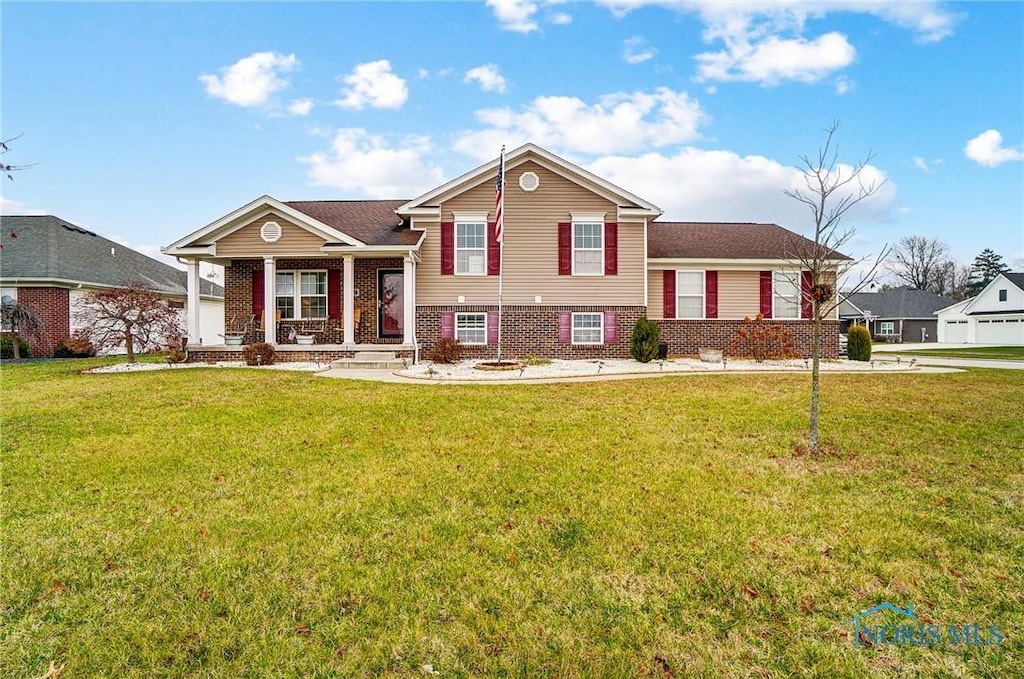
(270, 232)
(529, 181)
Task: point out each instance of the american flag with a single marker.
(499, 203)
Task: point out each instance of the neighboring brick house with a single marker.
(902, 314)
(47, 264)
(582, 260)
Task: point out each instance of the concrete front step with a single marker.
(359, 364)
(374, 356)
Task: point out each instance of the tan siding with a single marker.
(656, 294)
(739, 294)
(246, 241)
(531, 248)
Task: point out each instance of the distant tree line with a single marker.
(925, 264)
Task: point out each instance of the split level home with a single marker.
(994, 316)
(48, 264)
(580, 260)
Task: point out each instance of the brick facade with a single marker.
(686, 336)
(528, 330)
(52, 307)
(238, 297)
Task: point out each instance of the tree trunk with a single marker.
(813, 433)
(129, 345)
(14, 345)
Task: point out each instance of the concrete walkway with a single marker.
(913, 346)
(952, 362)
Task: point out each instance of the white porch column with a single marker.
(192, 304)
(408, 300)
(269, 301)
(348, 286)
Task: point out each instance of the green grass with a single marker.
(256, 523)
(1001, 353)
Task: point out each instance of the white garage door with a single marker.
(1000, 331)
(955, 331)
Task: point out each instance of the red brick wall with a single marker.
(528, 330)
(688, 336)
(238, 296)
(51, 305)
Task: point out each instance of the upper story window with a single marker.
(588, 248)
(786, 294)
(471, 248)
(689, 294)
(1002, 295)
(301, 294)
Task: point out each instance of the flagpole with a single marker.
(500, 223)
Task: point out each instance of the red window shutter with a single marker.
(611, 327)
(766, 294)
(493, 250)
(611, 249)
(711, 294)
(565, 249)
(492, 327)
(257, 295)
(334, 293)
(447, 248)
(447, 325)
(565, 327)
(669, 286)
(806, 306)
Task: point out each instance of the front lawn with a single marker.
(1001, 353)
(253, 523)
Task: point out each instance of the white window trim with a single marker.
(793, 276)
(892, 327)
(297, 293)
(455, 331)
(573, 327)
(463, 220)
(703, 294)
(572, 236)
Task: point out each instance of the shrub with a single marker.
(258, 353)
(763, 341)
(537, 360)
(74, 347)
(7, 347)
(858, 343)
(644, 346)
(446, 350)
(175, 352)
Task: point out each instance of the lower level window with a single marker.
(301, 294)
(471, 328)
(887, 327)
(588, 328)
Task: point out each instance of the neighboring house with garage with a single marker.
(902, 314)
(580, 261)
(48, 263)
(994, 316)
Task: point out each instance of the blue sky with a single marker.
(145, 121)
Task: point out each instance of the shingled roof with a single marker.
(724, 240)
(50, 248)
(374, 222)
(901, 302)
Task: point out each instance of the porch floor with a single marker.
(282, 348)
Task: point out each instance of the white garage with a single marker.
(996, 316)
(953, 331)
(1002, 331)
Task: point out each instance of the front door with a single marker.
(390, 303)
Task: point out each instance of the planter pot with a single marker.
(233, 340)
(710, 355)
(306, 340)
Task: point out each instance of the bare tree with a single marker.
(134, 317)
(832, 190)
(21, 322)
(917, 261)
(951, 280)
(7, 168)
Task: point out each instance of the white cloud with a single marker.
(635, 50)
(515, 15)
(775, 60)
(373, 84)
(13, 207)
(370, 165)
(844, 85)
(488, 77)
(921, 164)
(252, 80)
(717, 185)
(560, 18)
(422, 73)
(621, 122)
(987, 149)
(300, 107)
